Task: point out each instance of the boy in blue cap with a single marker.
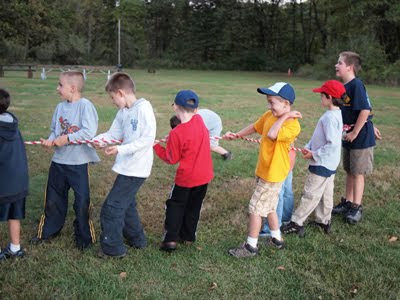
(188, 144)
(278, 128)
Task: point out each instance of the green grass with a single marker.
(354, 261)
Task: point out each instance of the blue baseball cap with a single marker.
(281, 89)
(183, 96)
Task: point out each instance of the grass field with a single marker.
(354, 261)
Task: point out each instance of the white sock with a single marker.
(252, 241)
(276, 234)
(14, 248)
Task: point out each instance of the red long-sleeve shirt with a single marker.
(189, 144)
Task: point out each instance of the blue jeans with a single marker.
(119, 217)
(285, 204)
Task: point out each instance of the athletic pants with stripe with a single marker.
(61, 179)
(183, 213)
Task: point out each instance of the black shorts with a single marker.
(13, 211)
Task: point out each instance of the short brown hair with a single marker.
(336, 101)
(352, 58)
(120, 81)
(4, 101)
(187, 109)
(74, 77)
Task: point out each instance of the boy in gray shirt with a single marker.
(323, 151)
(74, 119)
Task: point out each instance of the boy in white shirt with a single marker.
(135, 125)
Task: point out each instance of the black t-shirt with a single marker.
(357, 100)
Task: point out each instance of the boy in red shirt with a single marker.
(189, 144)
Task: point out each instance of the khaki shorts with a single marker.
(265, 198)
(358, 161)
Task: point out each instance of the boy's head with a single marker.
(332, 90)
(348, 63)
(4, 101)
(120, 81)
(121, 88)
(187, 100)
(70, 84)
(174, 121)
(280, 97)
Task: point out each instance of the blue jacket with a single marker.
(13, 163)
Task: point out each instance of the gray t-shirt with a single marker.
(79, 121)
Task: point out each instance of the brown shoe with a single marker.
(168, 246)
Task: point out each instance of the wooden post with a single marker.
(30, 74)
(1, 71)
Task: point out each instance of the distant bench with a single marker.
(29, 68)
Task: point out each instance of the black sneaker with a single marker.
(292, 227)
(244, 250)
(355, 214)
(326, 227)
(342, 208)
(168, 246)
(275, 243)
(227, 156)
(7, 253)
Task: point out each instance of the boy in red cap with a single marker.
(323, 151)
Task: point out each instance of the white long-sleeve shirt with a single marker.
(326, 141)
(136, 126)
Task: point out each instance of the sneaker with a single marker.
(36, 241)
(2, 256)
(245, 250)
(227, 156)
(275, 243)
(292, 227)
(101, 254)
(326, 227)
(342, 208)
(7, 253)
(355, 214)
(168, 246)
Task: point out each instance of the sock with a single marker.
(14, 248)
(252, 241)
(276, 234)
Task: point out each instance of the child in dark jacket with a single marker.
(13, 177)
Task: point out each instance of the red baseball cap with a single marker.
(333, 88)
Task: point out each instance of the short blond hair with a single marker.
(352, 58)
(74, 78)
(120, 81)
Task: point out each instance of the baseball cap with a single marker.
(281, 89)
(183, 96)
(333, 88)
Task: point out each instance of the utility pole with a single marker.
(119, 65)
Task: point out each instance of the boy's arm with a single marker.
(171, 154)
(114, 133)
(274, 130)
(362, 118)
(243, 132)
(146, 138)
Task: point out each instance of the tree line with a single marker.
(273, 35)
